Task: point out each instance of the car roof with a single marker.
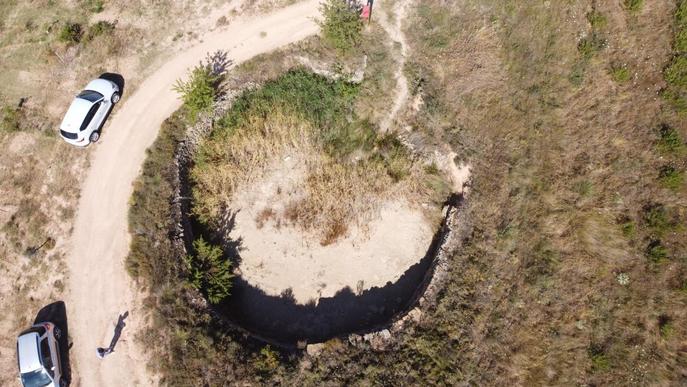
(75, 115)
(27, 351)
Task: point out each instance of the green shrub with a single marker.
(676, 98)
(590, 45)
(669, 140)
(629, 228)
(656, 252)
(665, 326)
(102, 27)
(95, 6)
(267, 361)
(676, 73)
(656, 218)
(671, 178)
(324, 103)
(342, 26)
(620, 73)
(71, 33)
(680, 44)
(198, 92)
(10, 119)
(633, 5)
(598, 357)
(681, 15)
(597, 19)
(209, 271)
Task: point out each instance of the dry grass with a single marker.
(564, 168)
(333, 196)
(39, 193)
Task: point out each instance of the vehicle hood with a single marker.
(75, 115)
(27, 352)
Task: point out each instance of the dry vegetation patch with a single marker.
(348, 167)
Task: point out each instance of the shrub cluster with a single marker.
(74, 33)
(10, 119)
(342, 25)
(202, 86)
(589, 45)
(210, 270)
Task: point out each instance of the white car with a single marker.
(81, 125)
(38, 355)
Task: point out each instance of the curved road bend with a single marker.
(99, 285)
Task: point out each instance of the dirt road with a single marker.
(99, 286)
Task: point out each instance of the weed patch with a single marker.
(342, 25)
(656, 252)
(100, 28)
(669, 141)
(633, 5)
(71, 33)
(671, 178)
(10, 119)
(620, 73)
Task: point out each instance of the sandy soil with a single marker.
(99, 286)
(277, 257)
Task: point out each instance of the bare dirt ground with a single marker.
(278, 257)
(99, 285)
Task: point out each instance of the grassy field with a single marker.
(577, 260)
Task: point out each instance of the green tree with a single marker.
(198, 92)
(209, 270)
(342, 26)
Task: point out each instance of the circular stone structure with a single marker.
(290, 288)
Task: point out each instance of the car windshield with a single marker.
(37, 378)
(90, 95)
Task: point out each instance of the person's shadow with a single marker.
(102, 352)
(118, 330)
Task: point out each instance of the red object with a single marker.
(366, 12)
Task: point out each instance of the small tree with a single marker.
(200, 90)
(209, 271)
(342, 25)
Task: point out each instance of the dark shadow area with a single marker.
(56, 313)
(281, 320)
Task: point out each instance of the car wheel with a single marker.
(114, 98)
(95, 136)
(57, 332)
(63, 383)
